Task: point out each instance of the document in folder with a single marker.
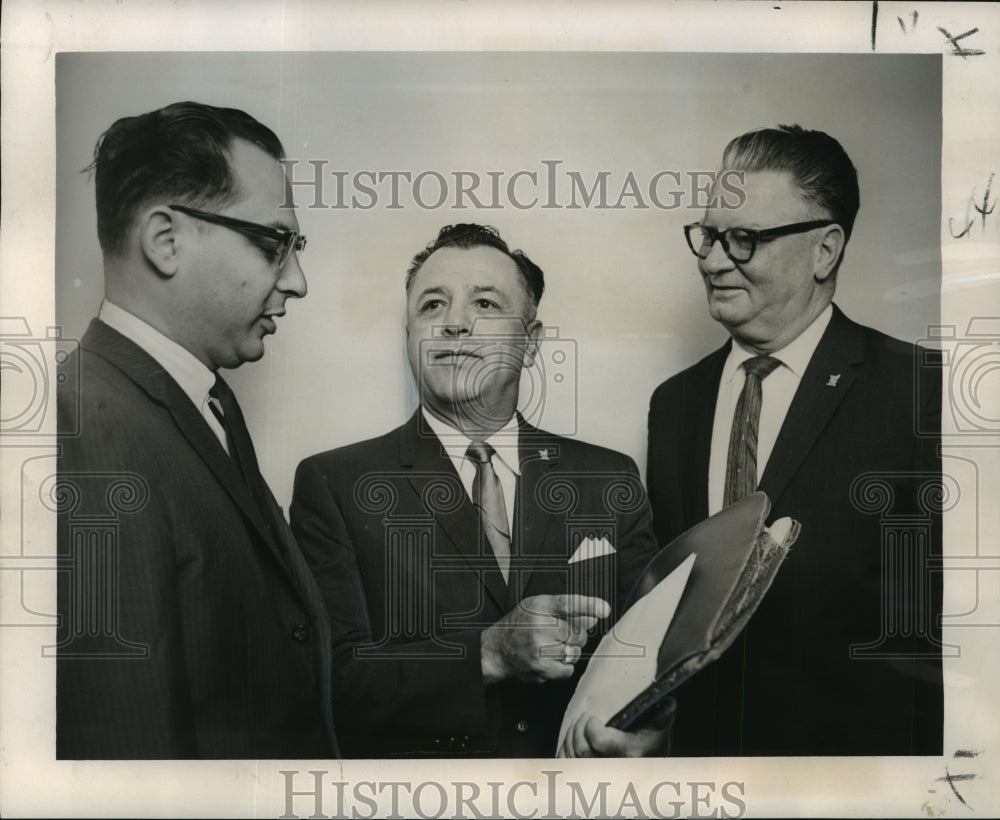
(690, 603)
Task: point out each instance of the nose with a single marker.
(456, 321)
(291, 279)
(717, 260)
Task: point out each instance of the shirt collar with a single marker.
(795, 355)
(504, 441)
(184, 368)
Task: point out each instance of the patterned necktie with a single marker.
(487, 495)
(741, 465)
(227, 411)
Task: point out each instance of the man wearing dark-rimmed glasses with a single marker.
(843, 656)
(190, 625)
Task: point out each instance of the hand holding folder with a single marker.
(690, 603)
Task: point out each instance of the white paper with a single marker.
(614, 676)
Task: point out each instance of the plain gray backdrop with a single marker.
(623, 302)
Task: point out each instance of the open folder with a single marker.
(690, 603)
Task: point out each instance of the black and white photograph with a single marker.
(499, 388)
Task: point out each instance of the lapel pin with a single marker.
(544, 454)
(832, 380)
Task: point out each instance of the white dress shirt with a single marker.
(777, 391)
(184, 368)
(506, 460)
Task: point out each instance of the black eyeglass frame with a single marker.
(287, 240)
(754, 236)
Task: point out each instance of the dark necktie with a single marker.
(487, 495)
(741, 464)
(227, 411)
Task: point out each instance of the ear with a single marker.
(828, 251)
(160, 239)
(532, 341)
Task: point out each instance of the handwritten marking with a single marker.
(952, 779)
(966, 753)
(874, 21)
(984, 211)
(961, 51)
(958, 50)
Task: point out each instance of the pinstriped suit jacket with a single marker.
(189, 628)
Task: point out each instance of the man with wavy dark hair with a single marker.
(465, 555)
(822, 414)
(191, 627)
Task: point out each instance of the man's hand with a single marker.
(540, 639)
(589, 737)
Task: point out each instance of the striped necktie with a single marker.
(487, 495)
(227, 411)
(741, 464)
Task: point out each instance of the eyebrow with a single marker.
(740, 226)
(434, 290)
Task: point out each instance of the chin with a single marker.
(721, 315)
(249, 353)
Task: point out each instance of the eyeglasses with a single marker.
(740, 243)
(286, 241)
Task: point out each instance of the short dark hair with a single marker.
(470, 235)
(177, 153)
(816, 161)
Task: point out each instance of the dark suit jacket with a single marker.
(843, 655)
(189, 627)
(411, 582)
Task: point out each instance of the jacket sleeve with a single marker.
(637, 543)
(121, 692)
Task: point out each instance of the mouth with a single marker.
(454, 354)
(268, 323)
(723, 290)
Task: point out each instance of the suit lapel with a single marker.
(149, 375)
(534, 534)
(828, 378)
(421, 451)
(699, 418)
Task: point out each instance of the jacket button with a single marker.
(300, 632)
(521, 727)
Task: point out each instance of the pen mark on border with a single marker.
(984, 211)
(958, 49)
(961, 51)
(913, 16)
(952, 779)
